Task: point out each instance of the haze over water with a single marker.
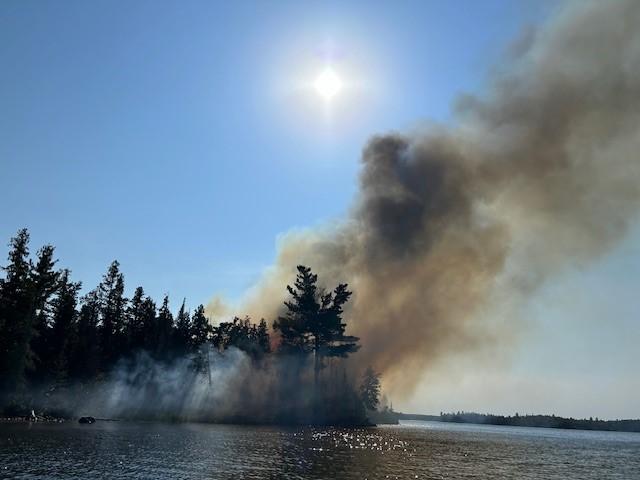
(429, 450)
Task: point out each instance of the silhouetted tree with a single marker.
(136, 315)
(244, 335)
(313, 321)
(370, 389)
(44, 281)
(51, 340)
(164, 332)
(16, 302)
(150, 324)
(199, 338)
(63, 329)
(112, 309)
(264, 341)
(331, 332)
(183, 330)
(200, 327)
(86, 353)
(302, 314)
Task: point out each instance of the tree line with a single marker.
(51, 335)
(544, 421)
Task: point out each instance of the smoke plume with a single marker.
(539, 173)
(232, 387)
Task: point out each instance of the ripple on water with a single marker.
(419, 450)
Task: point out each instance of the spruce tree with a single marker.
(112, 313)
(44, 283)
(86, 353)
(199, 336)
(135, 325)
(16, 303)
(200, 328)
(370, 389)
(148, 312)
(164, 343)
(264, 341)
(183, 330)
(63, 330)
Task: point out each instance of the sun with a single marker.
(328, 84)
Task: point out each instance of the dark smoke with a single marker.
(539, 174)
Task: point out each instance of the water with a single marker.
(426, 450)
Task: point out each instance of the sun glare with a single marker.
(328, 84)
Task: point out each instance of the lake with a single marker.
(429, 450)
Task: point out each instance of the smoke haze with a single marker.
(453, 225)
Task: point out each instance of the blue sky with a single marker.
(173, 137)
(164, 135)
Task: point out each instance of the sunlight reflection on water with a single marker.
(412, 450)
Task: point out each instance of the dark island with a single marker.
(63, 355)
(543, 421)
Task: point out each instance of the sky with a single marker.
(183, 139)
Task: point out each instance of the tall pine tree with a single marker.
(112, 313)
(313, 321)
(183, 330)
(63, 329)
(44, 283)
(87, 349)
(164, 342)
(16, 303)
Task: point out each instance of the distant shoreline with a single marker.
(536, 421)
(389, 417)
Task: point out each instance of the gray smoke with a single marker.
(452, 224)
(231, 387)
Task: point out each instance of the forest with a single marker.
(544, 421)
(66, 354)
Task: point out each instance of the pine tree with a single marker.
(200, 328)
(183, 330)
(44, 282)
(370, 389)
(16, 303)
(302, 311)
(86, 354)
(148, 312)
(313, 322)
(331, 329)
(63, 331)
(164, 343)
(112, 310)
(135, 325)
(264, 341)
(199, 336)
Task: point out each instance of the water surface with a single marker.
(429, 450)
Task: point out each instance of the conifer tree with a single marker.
(183, 330)
(313, 322)
(15, 314)
(86, 353)
(112, 310)
(148, 312)
(370, 389)
(135, 324)
(63, 330)
(44, 282)
(199, 337)
(200, 327)
(264, 341)
(302, 314)
(164, 337)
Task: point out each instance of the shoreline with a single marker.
(532, 421)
